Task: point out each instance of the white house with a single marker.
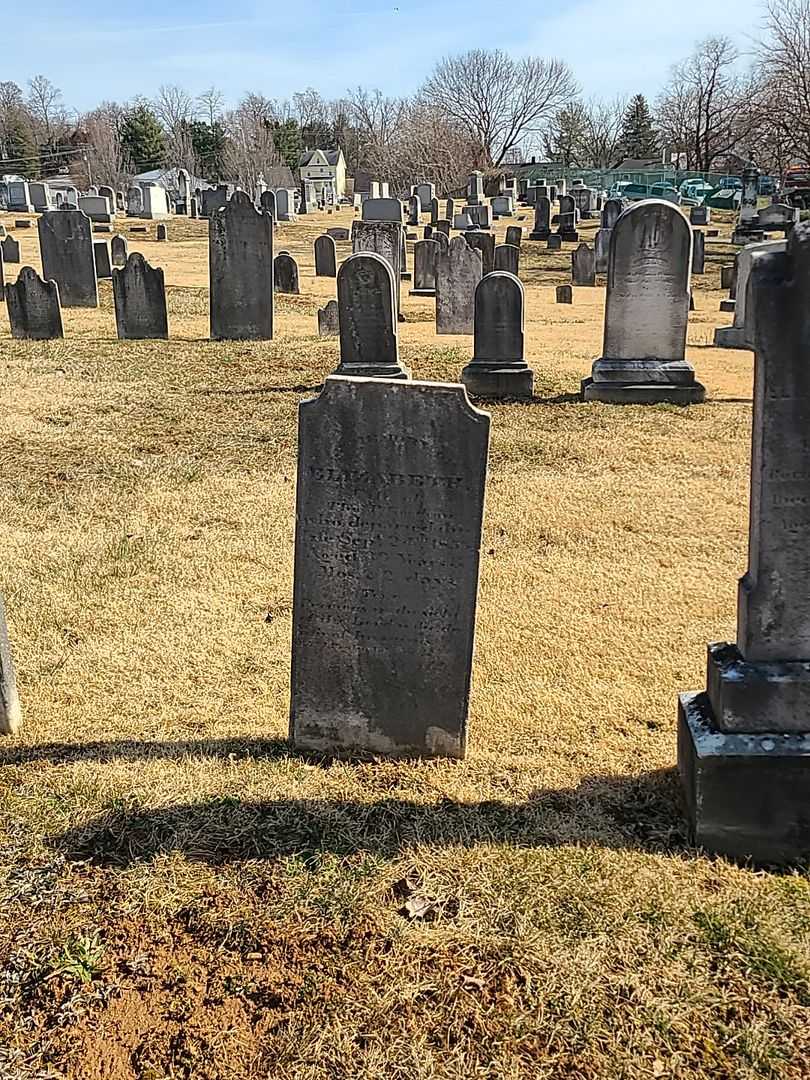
(326, 169)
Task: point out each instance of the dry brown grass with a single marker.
(184, 896)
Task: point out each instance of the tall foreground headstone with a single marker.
(139, 296)
(33, 307)
(240, 264)
(498, 369)
(387, 543)
(744, 745)
(66, 246)
(646, 311)
(458, 271)
(368, 319)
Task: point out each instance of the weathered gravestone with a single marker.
(387, 544)
(118, 250)
(368, 319)
(442, 239)
(267, 202)
(698, 252)
(583, 266)
(425, 254)
(458, 271)
(744, 745)
(498, 369)
(443, 226)
(507, 258)
(328, 320)
(542, 220)
(425, 193)
(382, 210)
(567, 224)
(611, 212)
(325, 257)
(101, 255)
(646, 311)
(285, 274)
(565, 294)
(285, 204)
(554, 242)
(700, 215)
(338, 233)
(480, 215)
(475, 188)
(485, 243)
(33, 307)
(434, 211)
(139, 295)
(514, 235)
(736, 335)
(240, 263)
(383, 238)
(449, 210)
(414, 208)
(66, 246)
(10, 711)
(162, 232)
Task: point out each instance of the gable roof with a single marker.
(330, 155)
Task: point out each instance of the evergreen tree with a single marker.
(639, 139)
(209, 142)
(288, 142)
(142, 139)
(20, 152)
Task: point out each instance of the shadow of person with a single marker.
(641, 812)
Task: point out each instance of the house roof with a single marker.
(169, 179)
(639, 164)
(330, 155)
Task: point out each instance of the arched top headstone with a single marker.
(366, 300)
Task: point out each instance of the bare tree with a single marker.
(784, 72)
(173, 107)
(210, 103)
(375, 120)
(251, 150)
(101, 130)
(46, 108)
(601, 137)
(498, 100)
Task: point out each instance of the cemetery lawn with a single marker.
(183, 895)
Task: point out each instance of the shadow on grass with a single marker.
(252, 391)
(60, 753)
(642, 813)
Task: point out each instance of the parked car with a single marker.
(665, 191)
(618, 189)
(768, 185)
(730, 183)
(635, 192)
(695, 190)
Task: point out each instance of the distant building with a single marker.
(325, 169)
(168, 179)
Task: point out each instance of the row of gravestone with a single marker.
(390, 495)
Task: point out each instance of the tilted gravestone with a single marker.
(285, 274)
(583, 266)
(101, 254)
(33, 307)
(458, 271)
(325, 257)
(66, 247)
(414, 208)
(425, 254)
(328, 320)
(485, 243)
(383, 238)
(240, 262)
(744, 744)
(698, 251)
(368, 318)
(542, 220)
(514, 235)
(389, 508)
(647, 311)
(736, 336)
(118, 250)
(498, 369)
(507, 258)
(139, 295)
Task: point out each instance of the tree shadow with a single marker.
(254, 390)
(105, 751)
(617, 812)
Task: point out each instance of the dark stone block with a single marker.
(643, 393)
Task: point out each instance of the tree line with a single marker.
(481, 109)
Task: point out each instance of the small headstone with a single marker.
(10, 712)
(514, 235)
(542, 220)
(442, 225)
(434, 211)
(267, 201)
(425, 254)
(101, 254)
(567, 225)
(458, 271)
(328, 321)
(414, 208)
(338, 233)
(118, 250)
(388, 532)
(285, 274)
(368, 318)
(507, 258)
(162, 232)
(240, 264)
(382, 210)
(554, 242)
(33, 307)
(698, 252)
(449, 209)
(565, 294)
(485, 243)
(728, 275)
(428, 232)
(66, 246)
(194, 208)
(498, 369)
(139, 295)
(325, 257)
(583, 266)
(727, 306)
(384, 238)
(700, 215)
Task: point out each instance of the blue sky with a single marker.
(107, 51)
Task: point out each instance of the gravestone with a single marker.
(611, 212)
(700, 215)
(366, 288)
(382, 210)
(514, 235)
(383, 238)
(97, 207)
(744, 744)
(101, 255)
(728, 276)
(449, 210)
(118, 249)
(646, 311)
(554, 242)
(778, 217)
(442, 239)
(162, 232)
(338, 233)
(748, 229)
(565, 294)
(328, 321)
(66, 247)
(414, 209)
(139, 296)
(698, 252)
(507, 258)
(480, 215)
(498, 369)
(33, 307)
(184, 189)
(425, 193)
(583, 266)
(193, 208)
(502, 206)
(285, 204)
(325, 257)
(425, 254)
(442, 225)
(542, 220)
(285, 274)
(485, 243)
(267, 202)
(736, 336)
(458, 271)
(475, 188)
(462, 221)
(567, 225)
(389, 508)
(434, 211)
(240, 266)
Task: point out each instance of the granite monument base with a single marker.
(730, 337)
(747, 796)
(490, 379)
(421, 292)
(728, 305)
(617, 393)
